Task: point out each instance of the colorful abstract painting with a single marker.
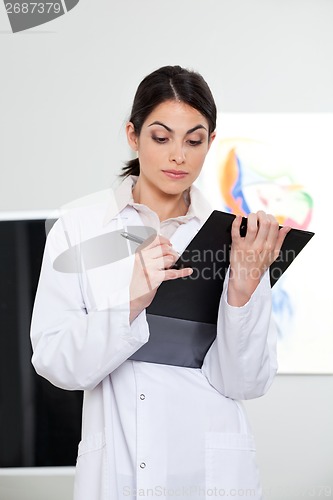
(279, 163)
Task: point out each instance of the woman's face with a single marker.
(172, 146)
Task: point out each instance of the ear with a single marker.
(212, 137)
(132, 137)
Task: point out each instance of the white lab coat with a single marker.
(148, 430)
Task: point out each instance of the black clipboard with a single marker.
(197, 297)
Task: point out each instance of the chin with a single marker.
(174, 190)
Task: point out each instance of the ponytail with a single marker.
(131, 167)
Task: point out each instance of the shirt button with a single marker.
(142, 465)
(142, 397)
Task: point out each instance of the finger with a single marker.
(153, 241)
(153, 251)
(164, 262)
(267, 232)
(235, 228)
(159, 242)
(161, 251)
(273, 233)
(252, 228)
(172, 274)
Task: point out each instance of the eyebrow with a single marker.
(170, 130)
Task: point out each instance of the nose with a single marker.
(177, 154)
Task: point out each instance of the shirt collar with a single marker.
(122, 197)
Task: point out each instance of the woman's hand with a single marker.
(153, 260)
(251, 256)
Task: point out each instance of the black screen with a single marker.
(40, 424)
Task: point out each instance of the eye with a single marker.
(159, 140)
(194, 143)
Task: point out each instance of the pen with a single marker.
(133, 237)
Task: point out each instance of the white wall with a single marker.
(66, 90)
(293, 428)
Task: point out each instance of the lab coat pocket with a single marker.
(231, 468)
(91, 468)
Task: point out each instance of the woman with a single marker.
(150, 429)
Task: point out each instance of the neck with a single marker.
(164, 205)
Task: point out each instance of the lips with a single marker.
(175, 174)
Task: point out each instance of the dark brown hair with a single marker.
(165, 84)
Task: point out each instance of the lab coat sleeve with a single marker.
(75, 348)
(242, 362)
